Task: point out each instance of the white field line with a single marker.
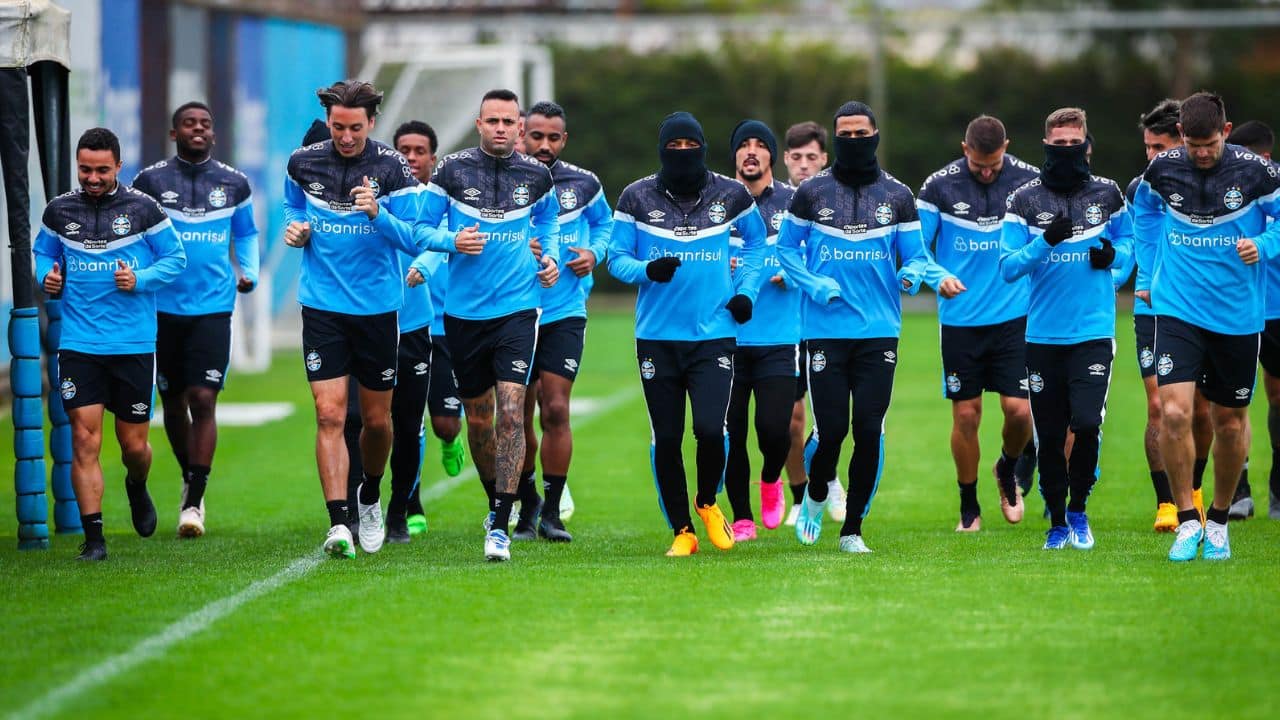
(158, 644)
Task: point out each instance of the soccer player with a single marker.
(1258, 138)
(1201, 215)
(765, 363)
(1067, 231)
(671, 237)
(496, 200)
(841, 241)
(805, 157)
(106, 249)
(983, 330)
(586, 223)
(211, 208)
(350, 205)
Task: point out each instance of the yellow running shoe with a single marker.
(685, 544)
(1166, 517)
(1197, 499)
(718, 530)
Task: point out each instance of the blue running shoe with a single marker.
(809, 522)
(488, 521)
(1057, 537)
(1216, 544)
(497, 546)
(1081, 535)
(1185, 546)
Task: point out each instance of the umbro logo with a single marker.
(1045, 217)
(315, 187)
(388, 373)
(890, 357)
(471, 194)
(1175, 199)
(73, 229)
(519, 365)
(826, 213)
(1097, 369)
(421, 368)
(725, 362)
(656, 215)
(452, 403)
(140, 408)
(1243, 393)
(571, 365)
(961, 208)
(168, 196)
(213, 375)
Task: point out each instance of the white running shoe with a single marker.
(566, 504)
(515, 515)
(835, 500)
(792, 514)
(338, 543)
(497, 546)
(191, 522)
(853, 544)
(372, 531)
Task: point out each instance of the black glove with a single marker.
(739, 306)
(1058, 230)
(662, 269)
(1102, 257)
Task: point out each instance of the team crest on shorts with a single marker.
(818, 361)
(1233, 199)
(68, 389)
(1146, 358)
(953, 383)
(1165, 365)
(313, 361)
(1035, 382)
(884, 213)
(520, 195)
(1093, 214)
(717, 212)
(568, 199)
(217, 197)
(121, 225)
(648, 370)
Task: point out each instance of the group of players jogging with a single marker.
(458, 289)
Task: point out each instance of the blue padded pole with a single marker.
(28, 429)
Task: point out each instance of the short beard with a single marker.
(752, 178)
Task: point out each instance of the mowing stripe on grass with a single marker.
(196, 622)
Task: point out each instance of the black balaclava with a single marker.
(683, 172)
(746, 130)
(856, 162)
(1066, 167)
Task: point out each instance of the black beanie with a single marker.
(853, 107)
(679, 125)
(318, 132)
(752, 129)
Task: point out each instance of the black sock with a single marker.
(1213, 514)
(197, 481)
(1005, 465)
(370, 489)
(797, 494)
(1188, 515)
(337, 511)
(502, 503)
(816, 488)
(490, 490)
(552, 488)
(182, 463)
(1160, 483)
(133, 486)
(92, 524)
(1242, 488)
(969, 499)
(527, 491)
(1197, 476)
(1026, 465)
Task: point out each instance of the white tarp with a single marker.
(34, 30)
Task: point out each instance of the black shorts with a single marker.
(1269, 352)
(123, 383)
(442, 397)
(413, 363)
(756, 362)
(843, 368)
(1144, 335)
(487, 351)
(192, 351)
(1224, 367)
(560, 347)
(984, 358)
(335, 345)
(802, 378)
(688, 361)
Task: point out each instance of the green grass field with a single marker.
(250, 622)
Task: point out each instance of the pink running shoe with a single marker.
(772, 505)
(744, 530)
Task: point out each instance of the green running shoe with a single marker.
(453, 456)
